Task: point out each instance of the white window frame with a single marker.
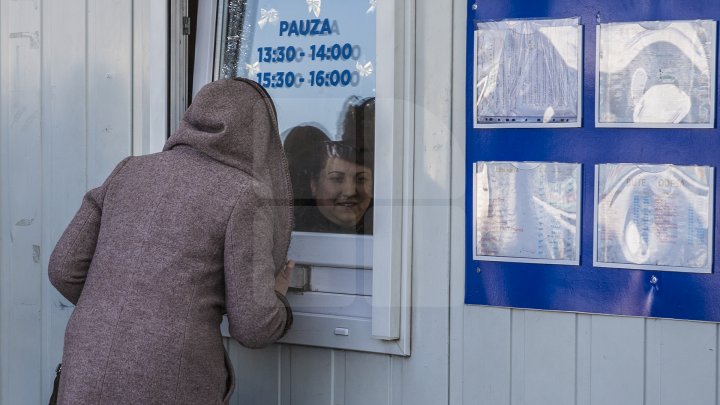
(178, 63)
(385, 328)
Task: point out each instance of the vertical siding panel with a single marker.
(234, 399)
(464, 355)
(426, 372)
(339, 377)
(618, 360)
(396, 378)
(583, 361)
(21, 133)
(517, 357)
(549, 348)
(256, 373)
(311, 378)
(486, 356)
(653, 360)
(687, 363)
(150, 67)
(63, 153)
(110, 60)
(367, 379)
(5, 309)
(285, 374)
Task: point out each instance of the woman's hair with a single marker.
(305, 148)
(358, 133)
(357, 144)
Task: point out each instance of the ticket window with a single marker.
(339, 94)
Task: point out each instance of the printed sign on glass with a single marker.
(316, 59)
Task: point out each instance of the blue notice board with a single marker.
(618, 244)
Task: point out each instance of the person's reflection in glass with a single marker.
(343, 189)
(337, 176)
(304, 146)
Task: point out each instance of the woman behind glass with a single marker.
(333, 180)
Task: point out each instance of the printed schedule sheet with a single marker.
(527, 212)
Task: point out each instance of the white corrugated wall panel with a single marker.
(66, 116)
(64, 147)
(312, 373)
(21, 273)
(564, 358)
(617, 360)
(487, 382)
(681, 363)
(367, 379)
(109, 82)
(297, 375)
(257, 374)
(543, 358)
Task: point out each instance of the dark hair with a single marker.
(359, 131)
(305, 148)
(357, 144)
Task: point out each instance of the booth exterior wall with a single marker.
(522, 357)
(67, 89)
(70, 94)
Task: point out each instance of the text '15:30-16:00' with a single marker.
(318, 78)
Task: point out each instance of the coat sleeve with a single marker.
(257, 315)
(70, 260)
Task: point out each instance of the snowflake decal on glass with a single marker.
(253, 69)
(267, 17)
(365, 69)
(314, 7)
(372, 7)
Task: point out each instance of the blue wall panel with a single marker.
(585, 288)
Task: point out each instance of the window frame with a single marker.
(385, 328)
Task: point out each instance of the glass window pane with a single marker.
(317, 61)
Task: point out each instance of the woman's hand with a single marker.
(282, 280)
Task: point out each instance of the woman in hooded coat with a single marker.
(167, 245)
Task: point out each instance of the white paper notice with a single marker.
(527, 212)
(656, 217)
(656, 72)
(526, 72)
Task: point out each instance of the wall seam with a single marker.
(645, 360)
(448, 383)
(456, 386)
(590, 359)
(512, 350)
(132, 78)
(333, 376)
(42, 319)
(577, 357)
(717, 360)
(87, 85)
(3, 185)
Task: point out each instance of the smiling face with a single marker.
(343, 191)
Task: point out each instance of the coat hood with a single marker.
(234, 122)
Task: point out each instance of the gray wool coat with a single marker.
(169, 243)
